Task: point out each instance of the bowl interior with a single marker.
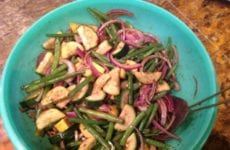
(193, 62)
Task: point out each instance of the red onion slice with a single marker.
(114, 13)
(71, 69)
(163, 111)
(126, 67)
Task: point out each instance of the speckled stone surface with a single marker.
(209, 19)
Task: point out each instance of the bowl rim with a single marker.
(21, 144)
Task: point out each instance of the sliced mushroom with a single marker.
(147, 77)
(112, 87)
(128, 115)
(88, 36)
(48, 117)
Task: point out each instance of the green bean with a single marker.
(100, 115)
(130, 88)
(87, 121)
(73, 144)
(57, 52)
(137, 52)
(111, 32)
(101, 20)
(95, 126)
(153, 66)
(144, 121)
(152, 114)
(118, 136)
(46, 78)
(171, 71)
(109, 131)
(117, 146)
(159, 95)
(148, 53)
(60, 35)
(81, 85)
(51, 81)
(61, 68)
(130, 129)
(136, 86)
(158, 144)
(102, 59)
(97, 136)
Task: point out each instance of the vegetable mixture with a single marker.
(104, 87)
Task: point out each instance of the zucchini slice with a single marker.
(48, 117)
(80, 94)
(147, 77)
(112, 87)
(162, 86)
(131, 142)
(45, 64)
(68, 49)
(97, 93)
(124, 98)
(66, 136)
(54, 95)
(88, 144)
(104, 47)
(128, 115)
(88, 36)
(121, 50)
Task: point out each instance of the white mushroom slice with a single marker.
(54, 95)
(104, 47)
(147, 77)
(88, 36)
(68, 49)
(45, 64)
(128, 115)
(112, 87)
(48, 117)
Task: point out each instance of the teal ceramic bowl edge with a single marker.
(7, 121)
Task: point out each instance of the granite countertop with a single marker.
(209, 19)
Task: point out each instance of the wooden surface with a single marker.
(209, 19)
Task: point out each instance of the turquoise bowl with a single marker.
(194, 62)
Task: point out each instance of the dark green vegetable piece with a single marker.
(130, 129)
(66, 136)
(144, 121)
